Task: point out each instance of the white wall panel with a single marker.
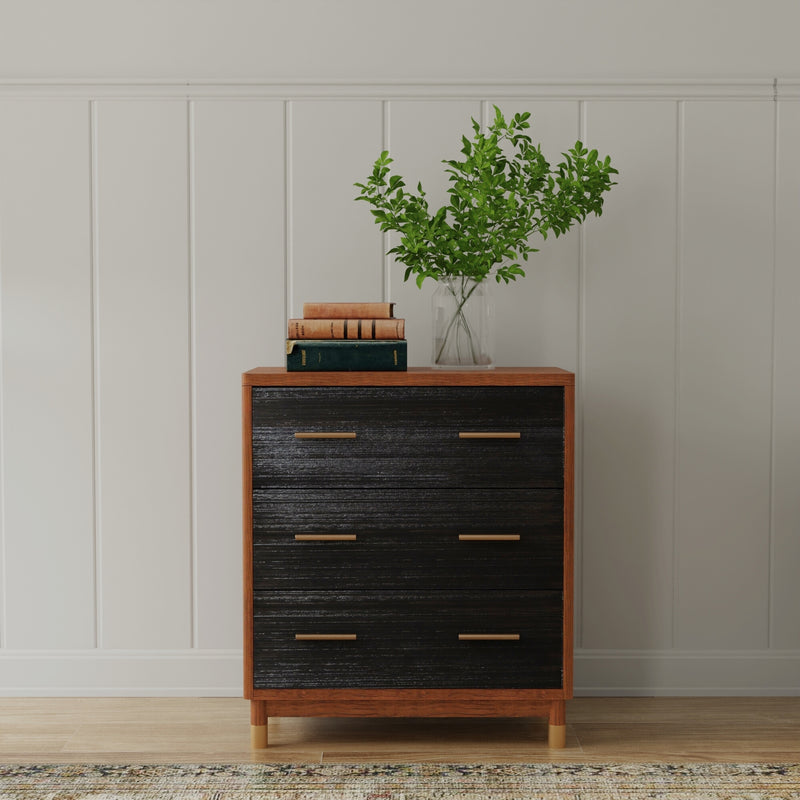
(628, 377)
(144, 468)
(336, 248)
(368, 40)
(46, 339)
(785, 586)
(239, 323)
(537, 316)
(725, 375)
(421, 134)
(153, 239)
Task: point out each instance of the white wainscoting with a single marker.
(154, 238)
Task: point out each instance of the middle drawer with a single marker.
(452, 540)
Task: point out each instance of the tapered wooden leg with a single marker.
(258, 724)
(557, 732)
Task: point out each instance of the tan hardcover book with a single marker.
(348, 310)
(347, 329)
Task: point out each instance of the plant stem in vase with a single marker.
(462, 324)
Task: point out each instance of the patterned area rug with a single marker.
(403, 782)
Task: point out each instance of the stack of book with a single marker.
(346, 336)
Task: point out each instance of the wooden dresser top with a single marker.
(414, 376)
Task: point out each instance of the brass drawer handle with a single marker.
(488, 637)
(325, 537)
(324, 435)
(488, 537)
(325, 637)
(489, 435)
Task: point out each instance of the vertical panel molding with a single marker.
(336, 246)
(725, 375)
(288, 203)
(239, 183)
(46, 373)
(421, 134)
(191, 247)
(629, 329)
(144, 386)
(785, 501)
(676, 444)
(95, 301)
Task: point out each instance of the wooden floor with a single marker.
(188, 730)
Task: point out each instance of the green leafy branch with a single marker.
(497, 201)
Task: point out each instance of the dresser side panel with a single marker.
(247, 536)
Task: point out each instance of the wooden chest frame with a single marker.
(443, 702)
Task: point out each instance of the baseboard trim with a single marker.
(121, 673)
(218, 673)
(687, 673)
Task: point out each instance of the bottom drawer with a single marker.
(408, 640)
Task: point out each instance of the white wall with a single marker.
(384, 39)
(155, 233)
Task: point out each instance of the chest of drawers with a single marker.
(408, 544)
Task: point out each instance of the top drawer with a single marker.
(409, 436)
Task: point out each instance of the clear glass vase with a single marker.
(463, 318)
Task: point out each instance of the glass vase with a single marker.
(463, 318)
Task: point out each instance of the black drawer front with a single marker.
(404, 542)
(408, 640)
(467, 511)
(408, 436)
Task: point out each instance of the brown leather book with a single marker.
(348, 310)
(347, 329)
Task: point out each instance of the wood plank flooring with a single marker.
(189, 730)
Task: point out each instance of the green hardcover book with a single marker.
(308, 355)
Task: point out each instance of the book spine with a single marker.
(347, 329)
(348, 310)
(324, 355)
